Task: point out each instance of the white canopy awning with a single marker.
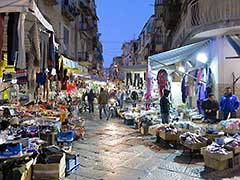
(176, 55)
(7, 6)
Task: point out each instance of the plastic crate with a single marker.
(67, 136)
(7, 150)
(72, 161)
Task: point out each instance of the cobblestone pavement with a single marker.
(114, 151)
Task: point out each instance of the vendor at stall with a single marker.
(210, 107)
(229, 104)
(165, 107)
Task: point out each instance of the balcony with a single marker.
(69, 10)
(82, 26)
(172, 12)
(207, 19)
(50, 2)
(83, 56)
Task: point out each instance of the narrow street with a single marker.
(113, 151)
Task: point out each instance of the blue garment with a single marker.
(229, 103)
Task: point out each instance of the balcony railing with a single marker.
(50, 2)
(82, 26)
(206, 15)
(69, 10)
(83, 56)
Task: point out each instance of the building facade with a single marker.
(76, 29)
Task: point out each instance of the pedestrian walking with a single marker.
(210, 107)
(165, 106)
(102, 101)
(134, 97)
(229, 104)
(90, 97)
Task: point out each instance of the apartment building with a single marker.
(76, 30)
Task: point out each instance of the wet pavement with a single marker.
(114, 151)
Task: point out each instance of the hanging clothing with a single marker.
(183, 89)
(51, 61)
(35, 43)
(21, 58)
(12, 41)
(162, 79)
(1, 33)
(44, 51)
(210, 82)
(31, 71)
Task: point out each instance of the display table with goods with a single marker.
(230, 126)
(217, 157)
(26, 131)
(213, 133)
(192, 141)
(187, 126)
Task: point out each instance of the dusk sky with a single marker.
(120, 21)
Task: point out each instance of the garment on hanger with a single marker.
(12, 40)
(44, 50)
(1, 33)
(162, 79)
(21, 58)
(183, 89)
(35, 43)
(51, 61)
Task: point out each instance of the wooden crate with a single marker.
(144, 130)
(219, 157)
(168, 137)
(192, 147)
(236, 150)
(216, 164)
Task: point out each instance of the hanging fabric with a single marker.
(162, 79)
(21, 58)
(183, 89)
(12, 40)
(35, 43)
(51, 61)
(44, 51)
(1, 33)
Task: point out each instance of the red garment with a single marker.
(1, 33)
(162, 81)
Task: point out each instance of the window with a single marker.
(66, 37)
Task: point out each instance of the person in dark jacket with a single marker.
(102, 101)
(210, 107)
(90, 97)
(165, 106)
(134, 97)
(229, 104)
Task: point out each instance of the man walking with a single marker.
(90, 97)
(102, 101)
(229, 104)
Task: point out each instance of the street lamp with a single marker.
(202, 57)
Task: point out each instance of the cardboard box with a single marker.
(216, 164)
(219, 157)
(168, 137)
(197, 146)
(27, 175)
(144, 130)
(52, 171)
